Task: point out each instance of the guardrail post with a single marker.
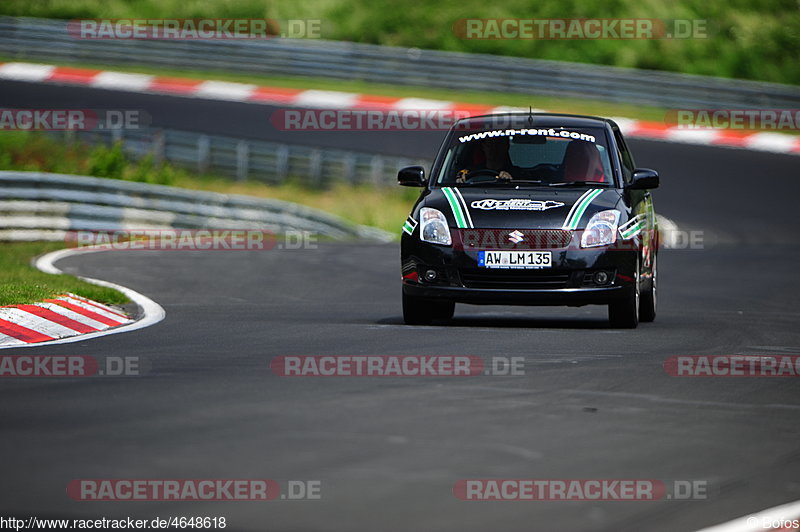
(242, 159)
(203, 154)
(159, 147)
(349, 168)
(315, 167)
(282, 162)
(376, 170)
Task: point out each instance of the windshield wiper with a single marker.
(501, 182)
(576, 183)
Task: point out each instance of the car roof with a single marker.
(538, 120)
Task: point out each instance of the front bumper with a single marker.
(571, 280)
(494, 296)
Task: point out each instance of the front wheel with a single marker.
(624, 314)
(421, 311)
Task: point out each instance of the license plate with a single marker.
(515, 259)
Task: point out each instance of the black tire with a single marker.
(649, 300)
(624, 314)
(420, 311)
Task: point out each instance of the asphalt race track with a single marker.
(213, 117)
(593, 402)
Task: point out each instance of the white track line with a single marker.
(755, 522)
(152, 312)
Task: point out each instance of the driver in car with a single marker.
(488, 154)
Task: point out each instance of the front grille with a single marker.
(510, 279)
(477, 239)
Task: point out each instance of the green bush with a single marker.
(107, 162)
(40, 152)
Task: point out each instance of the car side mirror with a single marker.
(411, 176)
(643, 179)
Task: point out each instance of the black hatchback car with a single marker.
(531, 209)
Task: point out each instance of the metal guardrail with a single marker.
(29, 38)
(41, 206)
(249, 159)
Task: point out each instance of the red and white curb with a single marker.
(62, 317)
(71, 318)
(242, 92)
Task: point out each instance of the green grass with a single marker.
(21, 283)
(752, 39)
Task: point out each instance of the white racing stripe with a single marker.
(464, 207)
(26, 71)
(508, 109)
(774, 142)
(414, 104)
(692, 136)
(10, 341)
(71, 314)
(91, 308)
(625, 124)
(326, 99)
(97, 304)
(122, 81)
(755, 522)
(222, 90)
(35, 323)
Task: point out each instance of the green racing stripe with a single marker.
(458, 213)
(633, 227)
(576, 213)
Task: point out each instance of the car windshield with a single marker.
(532, 157)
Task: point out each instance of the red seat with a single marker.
(582, 162)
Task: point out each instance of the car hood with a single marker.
(530, 208)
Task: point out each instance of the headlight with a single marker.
(601, 230)
(434, 227)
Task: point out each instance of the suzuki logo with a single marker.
(516, 236)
